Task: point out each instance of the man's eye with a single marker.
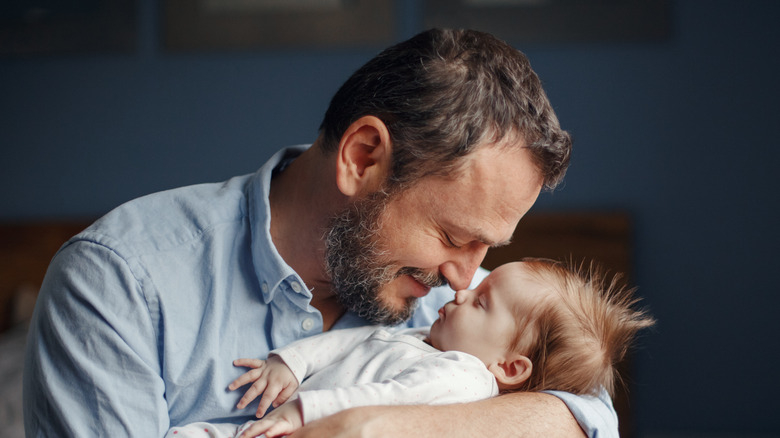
(450, 243)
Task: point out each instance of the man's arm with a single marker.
(521, 414)
(92, 366)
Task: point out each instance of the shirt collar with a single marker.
(269, 266)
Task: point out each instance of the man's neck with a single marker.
(302, 199)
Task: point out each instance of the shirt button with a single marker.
(307, 324)
(296, 287)
(264, 286)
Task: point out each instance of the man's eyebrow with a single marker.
(477, 235)
(500, 244)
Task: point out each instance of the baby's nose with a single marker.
(461, 295)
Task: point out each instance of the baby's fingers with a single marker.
(244, 379)
(271, 428)
(285, 395)
(270, 394)
(256, 429)
(256, 389)
(249, 376)
(281, 428)
(249, 363)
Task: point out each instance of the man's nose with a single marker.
(460, 269)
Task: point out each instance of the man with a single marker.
(428, 155)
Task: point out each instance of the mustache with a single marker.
(429, 279)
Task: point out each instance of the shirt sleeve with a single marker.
(450, 377)
(309, 355)
(92, 365)
(595, 415)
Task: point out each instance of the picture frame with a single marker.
(190, 25)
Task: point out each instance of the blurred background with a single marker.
(673, 106)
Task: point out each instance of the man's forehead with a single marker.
(490, 196)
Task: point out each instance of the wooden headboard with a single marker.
(606, 237)
(603, 237)
(26, 248)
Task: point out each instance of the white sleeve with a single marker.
(450, 377)
(307, 356)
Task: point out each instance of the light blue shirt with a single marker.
(141, 315)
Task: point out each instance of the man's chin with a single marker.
(390, 303)
(396, 312)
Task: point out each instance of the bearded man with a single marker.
(428, 156)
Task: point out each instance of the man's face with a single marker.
(383, 253)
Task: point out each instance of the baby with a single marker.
(529, 326)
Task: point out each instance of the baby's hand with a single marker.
(282, 421)
(271, 377)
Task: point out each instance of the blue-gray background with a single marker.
(681, 133)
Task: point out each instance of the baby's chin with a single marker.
(433, 336)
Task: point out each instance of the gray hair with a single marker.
(442, 94)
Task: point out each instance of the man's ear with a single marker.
(364, 157)
(511, 373)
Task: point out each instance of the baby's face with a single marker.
(482, 321)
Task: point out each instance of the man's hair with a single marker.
(441, 94)
(575, 338)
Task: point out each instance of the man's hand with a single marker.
(282, 421)
(271, 377)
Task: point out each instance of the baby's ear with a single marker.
(512, 372)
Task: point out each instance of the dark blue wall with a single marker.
(680, 133)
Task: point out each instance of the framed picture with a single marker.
(250, 24)
(556, 21)
(48, 27)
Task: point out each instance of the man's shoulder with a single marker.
(169, 218)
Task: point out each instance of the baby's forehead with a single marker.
(510, 269)
(517, 281)
(514, 275)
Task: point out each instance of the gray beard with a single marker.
(358, 266)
